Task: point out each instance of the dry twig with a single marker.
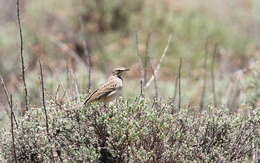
(43, 100)
(21, 54)
(138, 56)
(8, 100)
(175, 89)
(159, 64)
(12, 128)
(213, 75)
(44, 107)
(87, 53)
(179, 79)
(146, 58)
(155, 81)
(141, 88)
(77, 92)
(205, 76)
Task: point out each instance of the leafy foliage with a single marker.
(136, 130)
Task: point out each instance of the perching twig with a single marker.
(179, 81)
(159, 64)
(43, 100)
(8, 99)
(213, 75)
(21, 54)
(12, 128)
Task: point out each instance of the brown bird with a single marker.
(110, 90)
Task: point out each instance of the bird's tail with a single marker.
(87, 101)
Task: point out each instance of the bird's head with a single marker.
(119, 71)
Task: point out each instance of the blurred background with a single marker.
(66, 35)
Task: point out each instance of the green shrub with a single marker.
(136, 130)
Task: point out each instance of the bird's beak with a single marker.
(127, 69)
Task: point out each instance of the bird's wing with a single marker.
(104, 90)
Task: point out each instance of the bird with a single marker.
(110, 89)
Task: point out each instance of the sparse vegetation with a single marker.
(219, 104)
(134, 130)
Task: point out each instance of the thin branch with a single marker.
(89, 72)
(6, 94)
(179, 78)
(87, 53)
(59, 100)
(205, 76)
(43, 100)
(8, 99)
(159, 64)
(141, 88)
(175, 88)
(75, 84)
(57, 92)
(146, 58)
(155, 81)
(12, 128)
(69, 83)
(141, 66)
(139, 56)
(213, 76)
(234, 96)
(64, 91)
(21, 54)
(45, 110)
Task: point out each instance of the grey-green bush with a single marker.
(137, 130)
